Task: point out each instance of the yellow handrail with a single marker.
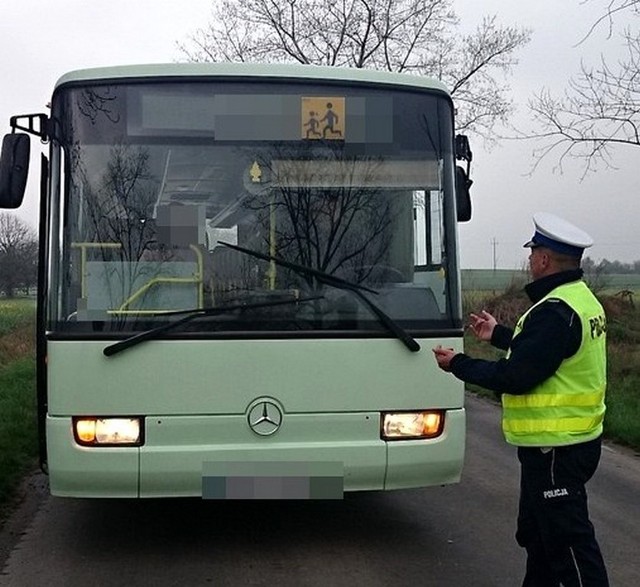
(83, 260)
(198, 278)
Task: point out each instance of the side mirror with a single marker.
(463, 197)
(14, 167)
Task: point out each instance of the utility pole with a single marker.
(494, 244)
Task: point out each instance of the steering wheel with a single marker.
(380, 273)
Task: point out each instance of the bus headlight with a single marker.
(108, 431)
(412, 425)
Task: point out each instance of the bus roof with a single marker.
(244, 70)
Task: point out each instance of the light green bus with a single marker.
(243, 271)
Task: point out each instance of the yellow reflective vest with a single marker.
(568, 408)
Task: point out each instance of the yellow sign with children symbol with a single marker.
(323, 118)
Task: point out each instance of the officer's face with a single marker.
(538, 262)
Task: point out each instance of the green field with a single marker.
(501, 279)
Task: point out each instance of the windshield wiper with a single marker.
(127, 343)
(355, 288)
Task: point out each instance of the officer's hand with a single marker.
(443, 357)
(482, 325)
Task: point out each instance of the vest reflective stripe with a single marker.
(543, 400)
(552, 425)
(569, 406)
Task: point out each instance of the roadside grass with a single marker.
(14, 313)
(622, 420)
(18, 442)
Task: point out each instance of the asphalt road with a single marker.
(443, 536)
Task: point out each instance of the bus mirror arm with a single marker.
(463, 150)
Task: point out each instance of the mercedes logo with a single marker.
(264, 418)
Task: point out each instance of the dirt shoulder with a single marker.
(18, 513)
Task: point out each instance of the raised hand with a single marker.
(482, 325)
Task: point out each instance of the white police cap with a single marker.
(558, 235)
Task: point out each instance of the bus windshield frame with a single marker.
(149, 180)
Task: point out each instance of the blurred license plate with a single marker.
(273, 480)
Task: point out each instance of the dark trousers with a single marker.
(553, 519)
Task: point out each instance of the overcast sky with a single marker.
(40, 40)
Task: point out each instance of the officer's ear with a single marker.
(546, 258)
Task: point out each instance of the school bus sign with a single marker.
(323, 118)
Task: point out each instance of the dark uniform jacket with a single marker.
(551, 333)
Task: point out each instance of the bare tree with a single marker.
(344, 230)
(118, 210)
(600, 108)
(413, 36)
(18, 255)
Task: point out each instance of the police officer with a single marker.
(552, 384)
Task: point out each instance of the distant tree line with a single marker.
(18, 256)
(606, 267)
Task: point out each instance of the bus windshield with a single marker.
(177, 196)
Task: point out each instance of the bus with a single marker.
(243, 270)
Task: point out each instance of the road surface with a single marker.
(442, 536)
